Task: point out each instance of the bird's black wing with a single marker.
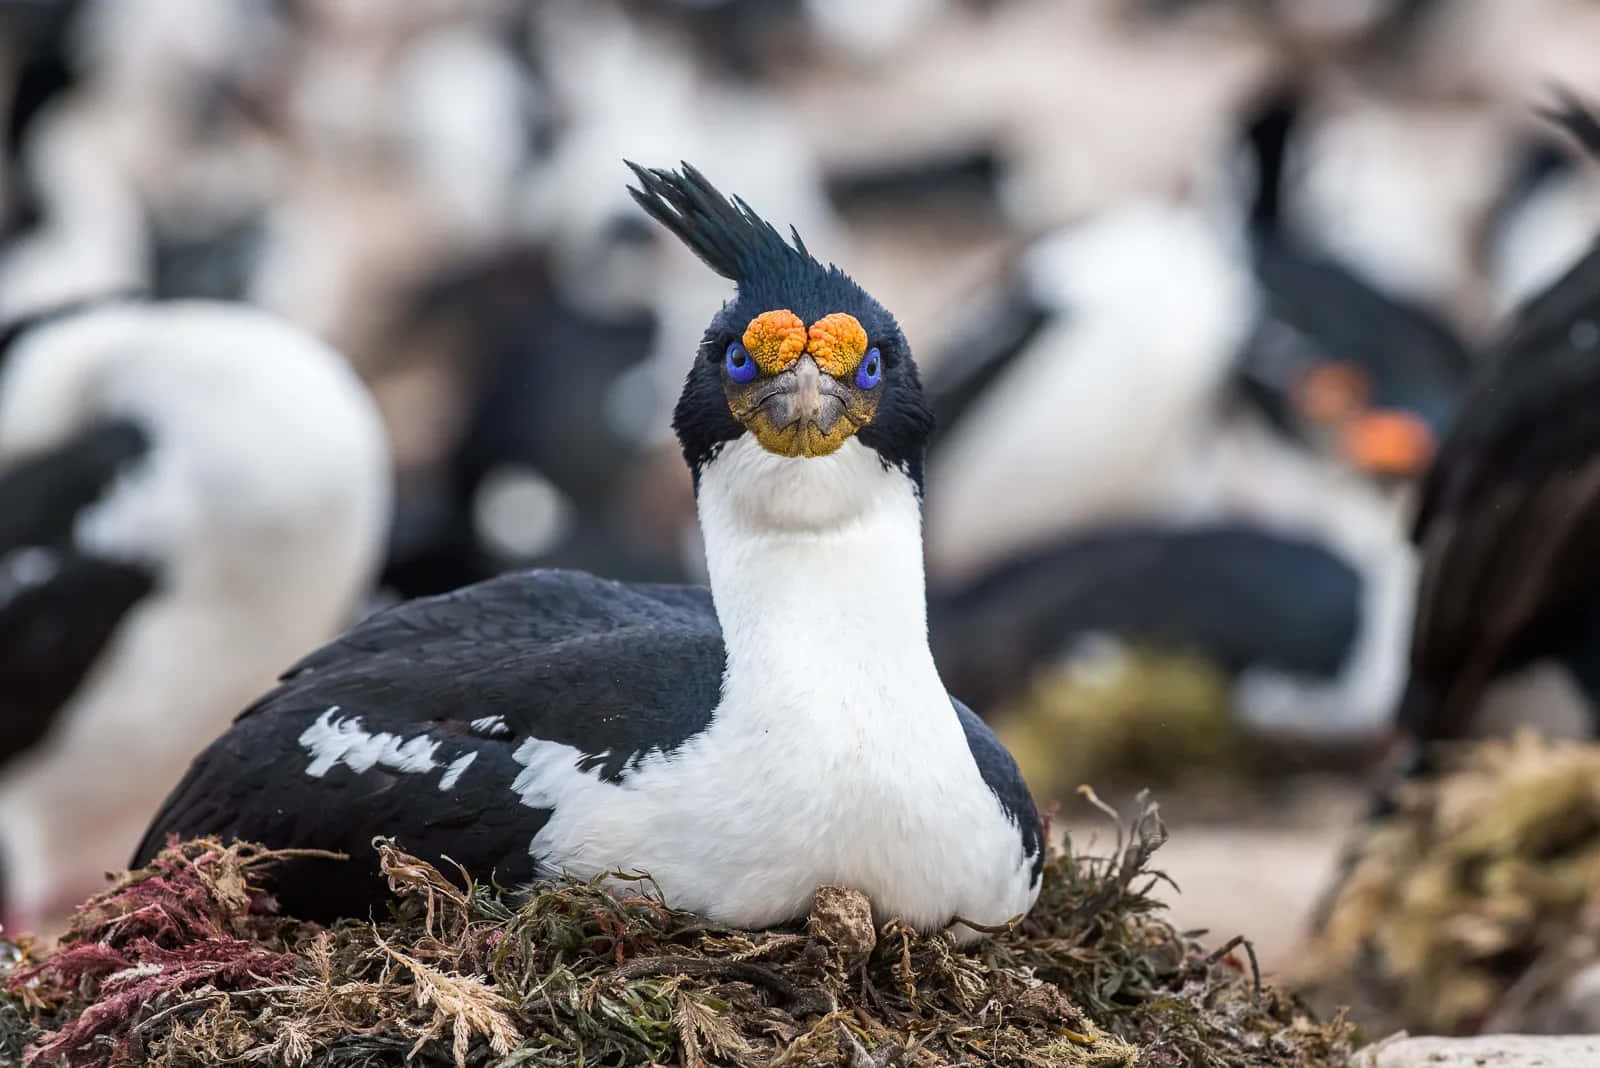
(1315, 310)
(999, 770)
(1237, 595)
(59, 603)
(1510, 512)
(444, 691)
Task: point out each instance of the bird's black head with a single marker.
(801, 358)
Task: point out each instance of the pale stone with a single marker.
(842, 919)
(1483, 1051)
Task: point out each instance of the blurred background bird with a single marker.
(193, 492)
(1507, 520)
(1203, 290)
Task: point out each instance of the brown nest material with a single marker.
(1475, 906)
(186, 962)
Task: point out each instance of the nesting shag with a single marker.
(743, 744)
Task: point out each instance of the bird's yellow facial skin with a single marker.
(804, 401)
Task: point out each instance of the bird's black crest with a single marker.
(773, 273)
(727, 234)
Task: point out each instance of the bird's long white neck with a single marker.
(817, 575)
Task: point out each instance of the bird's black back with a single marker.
(1510, 512)
(1237, 595)
(60, 603)
(614, 671)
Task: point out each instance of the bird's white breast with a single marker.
(744, 822)
(834, 756)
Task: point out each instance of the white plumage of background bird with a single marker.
(194, 494)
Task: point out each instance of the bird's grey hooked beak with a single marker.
(805, 401)
(802, 411)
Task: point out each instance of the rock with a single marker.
(841, 919)
(1482, 1051)
(1577, 1009)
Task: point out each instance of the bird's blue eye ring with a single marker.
(870, 373)
(741, 368)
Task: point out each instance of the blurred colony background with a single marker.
(1199, 289)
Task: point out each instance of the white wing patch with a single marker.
(491, 727)
(331, 742)
(453, 772)
(550, 773)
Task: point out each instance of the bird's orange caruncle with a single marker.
(776, 339)
(837, 342)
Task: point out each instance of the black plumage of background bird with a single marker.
(1510, 511)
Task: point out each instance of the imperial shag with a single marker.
(742, 744)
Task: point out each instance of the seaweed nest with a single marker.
(1474, 906)
(186, 962)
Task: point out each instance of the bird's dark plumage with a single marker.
(1317, 310)
(727, 234)
(616, 671)
(59, 603)
(1510, 512)
(1000, 772)
(1239, 596)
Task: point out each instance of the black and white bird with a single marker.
(191, 495)
(1278, 392)
(1507, 524)
(1341, 356)
(1546, 217)
(1042, 376)
(742, 744)
(539, 475)
(1282, 617)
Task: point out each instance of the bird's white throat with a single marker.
(831, 691)
(815, 563)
